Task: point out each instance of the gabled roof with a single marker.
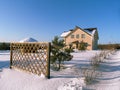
(28, 40)
(65, 34)
(90, 31)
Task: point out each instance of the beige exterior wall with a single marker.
(87, 39)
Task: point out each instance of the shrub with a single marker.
(58, 53)
(95, 61)
(91, 72)
(82, 45)
(90, 75)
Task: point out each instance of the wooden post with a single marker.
(11, 52)
(48, 60)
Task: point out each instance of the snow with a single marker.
(90, 32)
(65, 34)
(73, 84)
(28, 40)
(42, 75)
(4, 59)
(65, 79)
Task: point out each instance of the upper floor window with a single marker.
(72, 36)
(82, 35)
(77, 36)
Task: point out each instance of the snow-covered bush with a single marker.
(99, 58)
(95, 61)
(90, 74)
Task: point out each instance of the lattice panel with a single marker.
(31, 57)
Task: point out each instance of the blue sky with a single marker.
(44, 19)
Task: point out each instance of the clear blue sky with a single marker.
(44, 19)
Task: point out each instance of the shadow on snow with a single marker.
(4, 64)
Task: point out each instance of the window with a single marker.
(72, 36)
(77, 36)
(83, 36)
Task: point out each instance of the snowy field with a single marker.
(17, 80)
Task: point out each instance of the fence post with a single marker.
(48, 59)
(11, 52)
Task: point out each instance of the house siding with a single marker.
(87, 39)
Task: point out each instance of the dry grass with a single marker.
(91, 73)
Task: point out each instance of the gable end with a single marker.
(76, 28)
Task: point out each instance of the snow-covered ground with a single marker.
(110, 79)
(4, 59)
(64, 79)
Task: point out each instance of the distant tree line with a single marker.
(4, 46)
(108, 46)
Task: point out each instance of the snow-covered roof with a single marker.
(28, 40)
(90, 31)
(64, 34)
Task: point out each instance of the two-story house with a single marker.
(87, 35)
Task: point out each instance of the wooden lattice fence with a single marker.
(31, 57)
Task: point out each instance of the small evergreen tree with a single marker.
(58, 53)
(82, 45)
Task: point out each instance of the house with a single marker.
(75, 36)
